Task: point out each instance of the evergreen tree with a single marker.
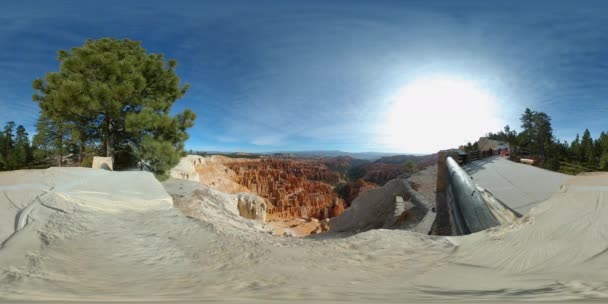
(575, 149)
(7, 138)
(587, 151)
(22, 150)
(527, 125)
(117, 88)
(511, 135)
(8, 145)
(603, 165)
(537, 134)
(543, 132)
(602, 144)
(601, 151)
(469, 147)
(50, 140)
(537, 139)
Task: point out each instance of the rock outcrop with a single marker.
(371, 209)
(186, 168)
(214, 173)
(394, 205)
(251, 206)
(293, 188)
(218, 209)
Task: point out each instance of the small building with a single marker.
(497, 146)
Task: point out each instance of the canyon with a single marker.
(294, 189)
(125, 237)
(293, 196)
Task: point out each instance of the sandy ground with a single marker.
(91, 235)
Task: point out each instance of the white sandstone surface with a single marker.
(99, 236)
(186, 168)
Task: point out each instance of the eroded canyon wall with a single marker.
(293, 188)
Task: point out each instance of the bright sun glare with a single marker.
(430, 114)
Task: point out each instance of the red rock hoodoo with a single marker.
(293, 188)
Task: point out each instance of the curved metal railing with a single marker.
(468, 210)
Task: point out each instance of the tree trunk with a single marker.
(80, 153)
(542, 149)
(110, 139)
(61, 158)
(61, 149)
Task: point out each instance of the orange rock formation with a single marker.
(293, 188)
(351, 190)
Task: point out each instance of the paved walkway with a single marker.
(519, 186)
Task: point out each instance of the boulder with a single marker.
(251, 206)
(371, 209)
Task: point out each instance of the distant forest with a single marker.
(536, 140)
(16, 150)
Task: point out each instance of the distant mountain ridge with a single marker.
(334, 153)
(370, 156)
(401, 159)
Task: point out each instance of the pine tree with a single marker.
(22, 150)
(527, 124)
(7, 138)
(603, 165)
(587, 151)
(575, 148)
(8, 145)
(116, 87)
(543, 132)
(601, 151)
(50, 140)
(602, 144)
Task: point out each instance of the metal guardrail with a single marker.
(468, 210)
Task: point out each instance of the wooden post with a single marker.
(442, 172)
(442, 224)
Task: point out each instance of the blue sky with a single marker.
(311, 75)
